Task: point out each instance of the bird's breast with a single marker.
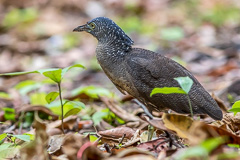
(115, 68)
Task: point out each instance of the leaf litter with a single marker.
(39, 40)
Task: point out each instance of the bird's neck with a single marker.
(111, 51)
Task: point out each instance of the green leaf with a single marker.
(28, 72)
(236, 104)
(8, 149)
(9, 113)
(51, 96)
(212, 143)
(167, 90)
(187, 153)
(5, 95)
(31, 136)
(235, 108)
(28, 119)
(64, 70)
(27, 86)
(73, 111)
(24, 84)
(98, 116)
(16, 16)
(5, 146)
(25, 138)
(54, 75)
(172, 33)
(92, 138)
(92, 91)
(185, 83)
(202, 150)
(234, 145)
(2, 136)
(38, 98)
(17, 73)
(105, 114)
(77, 106)
(228, 155)
(55, 107)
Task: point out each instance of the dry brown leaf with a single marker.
(68, 123)
(55, 143)
(178, 123)
(219, 71)
(113, 136)
(200, 131)
(121, 113)
(89, 151)
(117, 133)
(134, 157)
(157, 123)
(132, 154)
(28, 108)
(72, 143)
(85, 124)
(134, 139)
(154, 145)
(37, 149)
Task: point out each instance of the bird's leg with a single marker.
(144, 108)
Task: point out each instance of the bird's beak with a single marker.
(84, 27)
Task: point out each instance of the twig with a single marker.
(121, 140)
(155, 147)
(106, 146)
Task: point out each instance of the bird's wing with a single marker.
(158, 67)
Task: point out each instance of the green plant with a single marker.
(56, 75)
(235, 108)
(185, 84)
(201, 151)
(107, 115)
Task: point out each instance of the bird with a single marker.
(137, 71)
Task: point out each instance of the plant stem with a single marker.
(190, 105)
(60, 96)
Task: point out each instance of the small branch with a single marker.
(60, 96)
(106, 146)
(120, 142)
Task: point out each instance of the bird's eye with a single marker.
(92, 25)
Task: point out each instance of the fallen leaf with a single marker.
(132, 154)
(28, 108)
(178, 123)
(55, 143)
(37, 149)
(118, 132)
(72, 143)
(89, 151)
(154, 145)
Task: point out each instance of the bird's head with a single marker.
(106, 31)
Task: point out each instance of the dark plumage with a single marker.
(137, 71)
